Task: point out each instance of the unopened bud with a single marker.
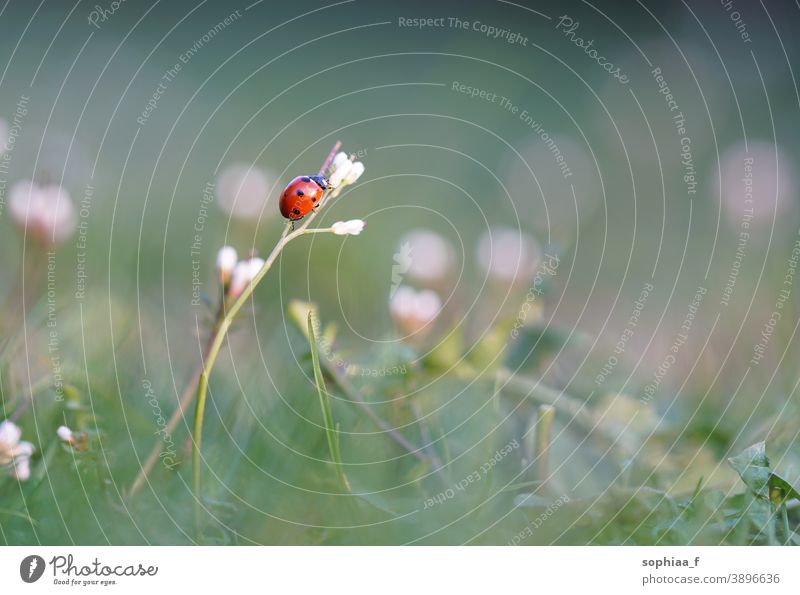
(243, 274)
(226, 262)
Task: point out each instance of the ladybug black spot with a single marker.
(306, 179)
(300, 193)
(296, 211)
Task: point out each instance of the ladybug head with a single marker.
(321, 181)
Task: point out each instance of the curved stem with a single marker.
(329, 158)
(216, 345)
(288, 234)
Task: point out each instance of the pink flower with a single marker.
(425, 256)
(15, 452)
(413, 311)
(46, 211)
(508, 255)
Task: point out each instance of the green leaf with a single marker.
(299, 312)
(781, 489)
(752, 466)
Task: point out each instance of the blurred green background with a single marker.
(274, 90)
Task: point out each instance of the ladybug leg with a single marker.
(292, 224)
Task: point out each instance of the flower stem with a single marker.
(544, 427)
(329, 158)
(216, 344)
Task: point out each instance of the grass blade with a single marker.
(331, 430)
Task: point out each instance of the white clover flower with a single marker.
(508, 255)
(353, 227)
(22, 469)
(413, 311)
(355, 172)
(65, 434)
(243, 274)
(9, 440)
(226, 262)
(13, 451)
(46, 211)
(426, 256)
(242, 189)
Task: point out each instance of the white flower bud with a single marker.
(226, 262)
(65, 434)
(414, 311)
(47, 212)
(353, 227)
(339, 174)
(9, 435)
(339, 160)
(340, 169)
(243, 274)
(22, 469)
(23, 450)
(355, 172)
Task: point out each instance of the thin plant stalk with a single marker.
(331, 431)
(772, 522)
(190, 392)
(216, 345)
(354, 396)
(787, 532)
(544, 428)
(219, 338)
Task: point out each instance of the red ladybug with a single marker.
(303, 194)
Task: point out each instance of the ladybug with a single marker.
(303, 194)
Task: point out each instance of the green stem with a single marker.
(331, 429)
(216, 345)
(544, 427)
(771, 525)
(787, 532)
